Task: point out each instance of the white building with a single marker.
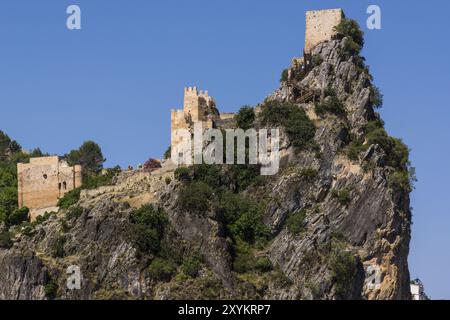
(417, 290)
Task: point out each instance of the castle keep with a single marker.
(199, 107)
(43, 181)
(320, 26)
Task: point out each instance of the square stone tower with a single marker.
(199, 107)
(320, 26)
(43, 181)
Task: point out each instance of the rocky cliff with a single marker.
(334, 223)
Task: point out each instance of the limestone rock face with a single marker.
(371, 222)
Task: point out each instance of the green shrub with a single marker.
(18, 216)
(376, 97)
(245, 117)
(243, 258)
(191, 266)
(355, 148)
(342, 196)
(397, 153)
(296, 222)
(5, 240)
(332, 105)
(100, 179)
(309, 174)
(351, 29)
(299, 128)
(74, 213)
(69, 199)
(401, 180)
(183, 174)
(317, 60)
(284, 75)
(263, 264)
(195, 197)
(343, 270)
(51, 290)
(58, 247)
(167, 180)
(168, 153)
(41, 219)
(161, 269)
(149, 225)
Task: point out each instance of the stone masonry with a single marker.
(43, 181)
(320, 26)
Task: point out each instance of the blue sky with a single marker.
(116, 80)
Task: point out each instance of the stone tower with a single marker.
(43, 181)
(320, 26)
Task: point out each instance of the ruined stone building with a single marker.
(199, 107)
(320, 26)
(43, 181)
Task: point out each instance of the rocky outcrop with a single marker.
(370, 222)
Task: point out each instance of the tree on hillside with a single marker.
(8, 146)
(89, 156)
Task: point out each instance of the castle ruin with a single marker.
(43, 181)
(199, 107)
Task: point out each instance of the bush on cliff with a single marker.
(299, 128)
(149, 225)
(245, 117)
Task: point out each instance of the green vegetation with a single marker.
(18, 216)
(245, 118)
(331, 104)
(69, 199)
(161, 269)
(149, 226)
(284, 75)
(309, 174)
(89, 155)
(58, 247)
(242, 218)
(317, 60)
(191, 266)
(296, 222)
(51, 289)
(100, 179)
(11, 154)
(264, 264)
(376, 97)
(168, 153)
(299, 128)
(196, 197)
(217, 188)
(351, 30)
(41, 219)
(5, 240)
(343, 270)
(355, 148)
(74, 213)
(342, 196)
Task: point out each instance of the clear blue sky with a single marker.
(116, 80)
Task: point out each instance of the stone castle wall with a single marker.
(43, 181)
(320, 26)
